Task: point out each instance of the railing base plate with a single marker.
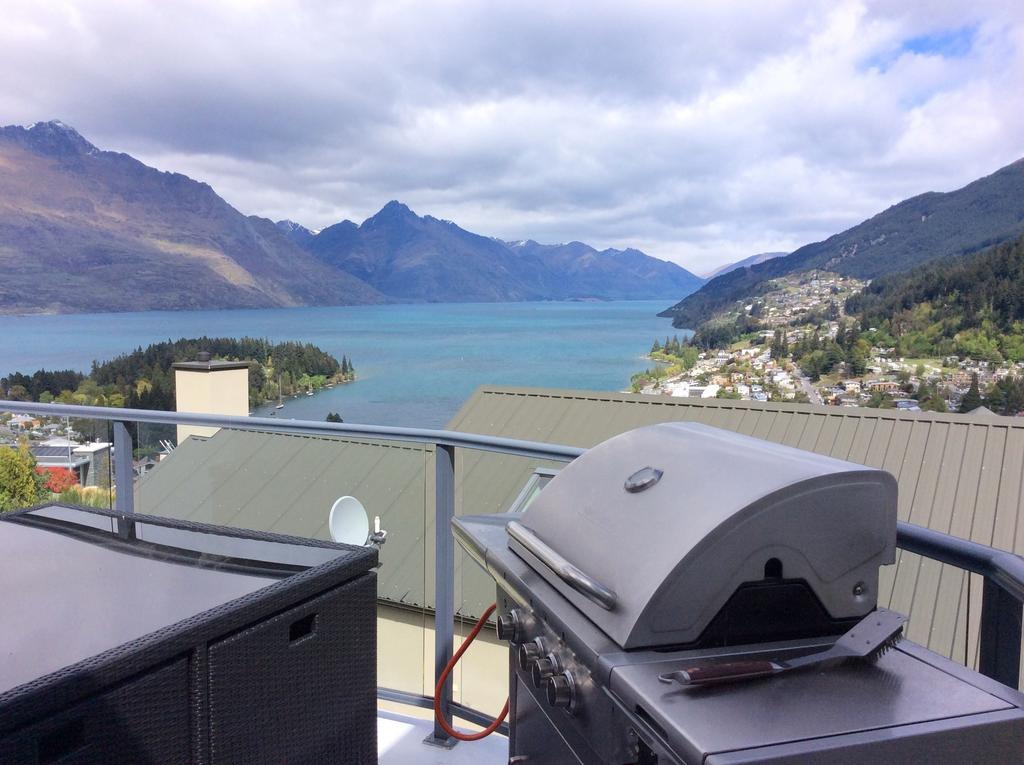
(441, 743)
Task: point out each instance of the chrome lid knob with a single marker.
(529, 653)
(543, 669)
(561, 690)
(508, 627)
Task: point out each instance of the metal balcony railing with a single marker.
(1003, 572)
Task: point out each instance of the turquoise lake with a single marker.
(416, 364)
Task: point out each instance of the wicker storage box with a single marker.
(267, 652)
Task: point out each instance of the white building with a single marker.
(679, 389)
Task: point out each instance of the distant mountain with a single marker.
(296, 232)
(753, 260)
(626, 274)
(425, 259)
(919, 229)
(88, 230)
(418, 258)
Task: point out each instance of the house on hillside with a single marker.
(89, 462)
(883, 386)
(23, 422)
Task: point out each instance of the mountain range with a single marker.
(920, 229)
(425, 259)
(86, 230)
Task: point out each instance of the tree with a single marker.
(20, 485)
(779, 349)
(879, 400)
(929, 398)
(334, 417)
(1007, 396)
(57, 479)
(972, 398)
(858, 361)
(18, 393)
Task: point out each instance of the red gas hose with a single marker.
(444, 678)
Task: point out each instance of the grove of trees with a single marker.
(970, 306)
(144, 378)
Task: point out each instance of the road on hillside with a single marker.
(812, 393)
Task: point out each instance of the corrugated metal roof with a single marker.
(50, 451)
(957, 474)
(287, 484)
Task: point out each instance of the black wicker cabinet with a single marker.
(146, 640)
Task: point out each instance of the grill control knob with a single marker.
(509, 626)
(561, 690)
(529, 653)
(543, 669)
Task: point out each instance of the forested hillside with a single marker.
(970, 306)
(918, 230)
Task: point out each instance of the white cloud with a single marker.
(698, 132)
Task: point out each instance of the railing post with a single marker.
(124, 480)
(1000, 638)
(444, 582)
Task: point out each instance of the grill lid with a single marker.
(651, 532)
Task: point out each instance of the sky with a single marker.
(699, 132)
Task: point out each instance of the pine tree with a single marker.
(779, 348)
(972, 398)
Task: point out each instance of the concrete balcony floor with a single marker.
(400, 742)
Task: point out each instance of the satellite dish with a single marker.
(349, 522)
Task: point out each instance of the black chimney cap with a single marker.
(203, 356)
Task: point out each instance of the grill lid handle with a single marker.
(644, 478)
(583, 583)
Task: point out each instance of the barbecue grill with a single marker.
(680, 546)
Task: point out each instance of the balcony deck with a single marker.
(999, 576)
(400, 742)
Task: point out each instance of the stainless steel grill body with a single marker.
(724, 507)
(616, 575)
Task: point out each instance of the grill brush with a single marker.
(872, 636)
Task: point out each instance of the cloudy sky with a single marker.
(700, 132)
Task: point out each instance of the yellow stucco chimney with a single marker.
(210, 387)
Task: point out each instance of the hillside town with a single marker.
(805, 349)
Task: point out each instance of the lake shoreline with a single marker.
(418, 363)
